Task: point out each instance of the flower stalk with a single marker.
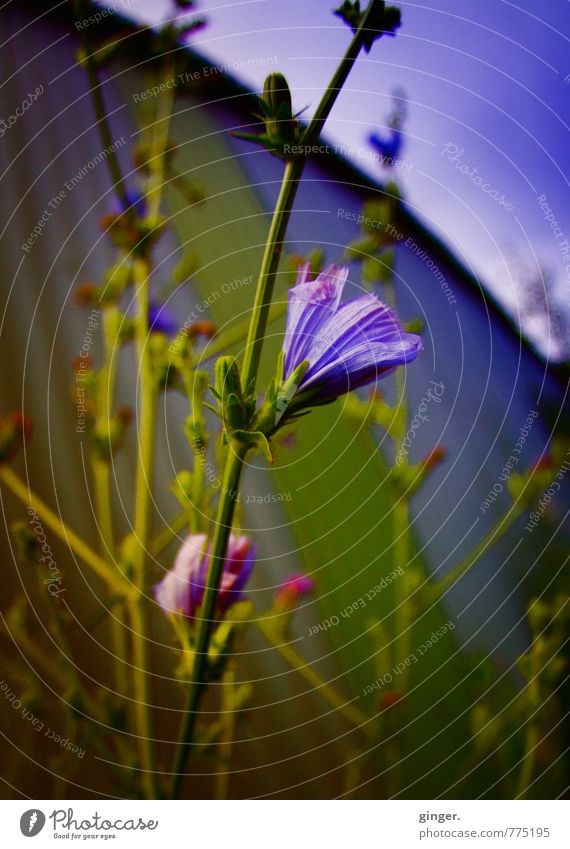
(254, 346)
(102, 568)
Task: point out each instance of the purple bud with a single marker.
(293, 589)
(182, 588)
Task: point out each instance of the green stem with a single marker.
(440, 587)
(403, 627)
(222, 532)
(289, 186)
(351, 713)
(268, 272)
(143, 492)
(100, 111)
(168, 533)
(101, 567)
(532, 736)
(254, 346)
(198, 445)
(102, 484)
(227, 722)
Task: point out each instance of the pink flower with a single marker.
(182, 588)
(293, 589)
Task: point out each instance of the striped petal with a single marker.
(310, 306)
(347, 345)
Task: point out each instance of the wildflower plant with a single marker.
(333, 347)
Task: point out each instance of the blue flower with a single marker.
(160, 320)
(346, 345)
(388, 147)
(134, 201)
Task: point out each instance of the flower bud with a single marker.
(25, 542)
(181, 590)
(86, 295)
(227, 379)
(389, 699)
(433, 458)
(15, 431)
(280, 124)
(235, 409)
(292, 590)
(204, 328)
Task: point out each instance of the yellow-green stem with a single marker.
(291, 177)
(254, 346)
(439, 588)
(143, 500)
(227, 723)
(168, 533)
(403, 627)
(532, 736)
(82, 11)
(222, 530)
(351, 713)
(101, 472)
(101, 567)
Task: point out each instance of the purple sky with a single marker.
(491, 79)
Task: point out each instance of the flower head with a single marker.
(133, 201)
(293, 589)
(161, 320)
(346, 345)
(15, 431)
(182, 588)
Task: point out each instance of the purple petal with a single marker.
(362, 341)
(179, 589)
(160, 320)
(311, 304)
(182, 588)
(237, 569)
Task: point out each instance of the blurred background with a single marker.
(489, 82)
(466, 108)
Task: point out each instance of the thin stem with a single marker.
(532, 737)
(102, 485)
(439, 588)
(236, 334)
(157, 163)
(268, 271)
(101, 113)
(289, 186)
(143, 493)
(103, 569)
(168, 533)
(146, 434)
(227, 723)
(198, 445)
(141, 699)
(101, 481)
(222, 531)
(254, 346)
(351, 713)
(101, 478)
(403, 628)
